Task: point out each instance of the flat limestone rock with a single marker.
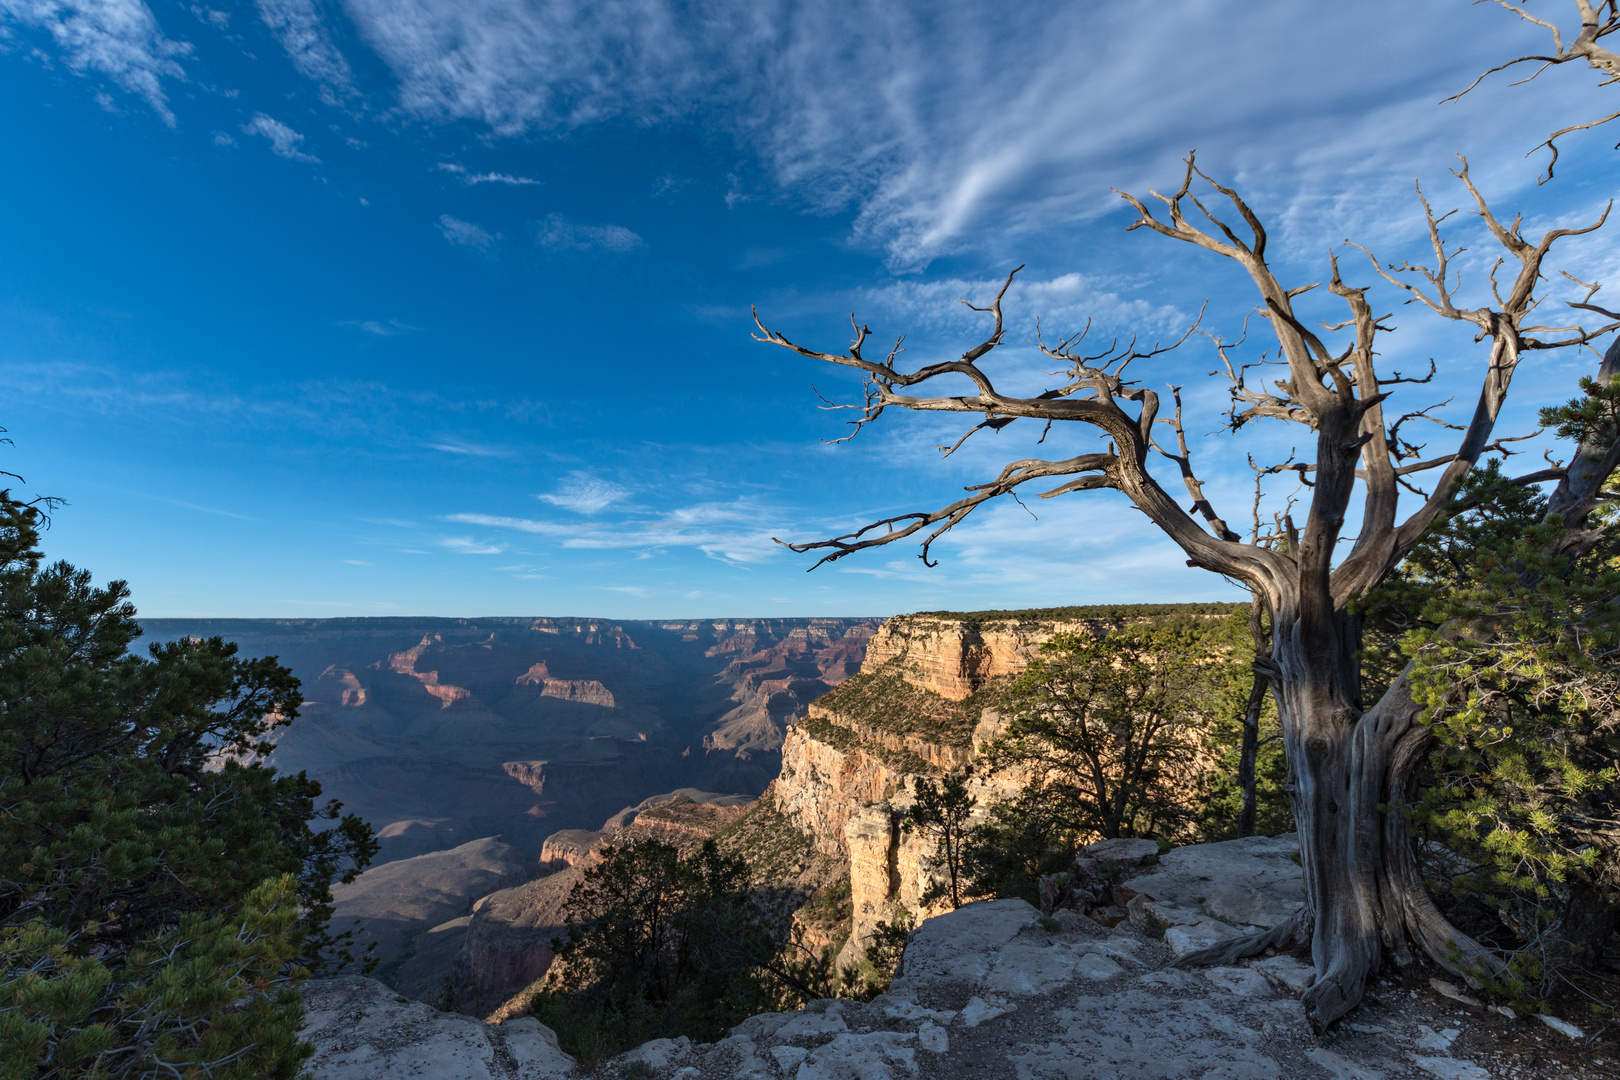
(903, 1009)
(1244, 982)
(1342, 1067)
(810, 1025)
(1286, 973)
(1252, 882)
(880, 1055)
(1098, 968)
(1027, 966)
(960, 945)
(788, 1058)
(1124, 851)
(1437, 1041)
(1563, 1027)
(362, 1030)
(659, 1052)
(1138, 1033)
(1172, 979)
(978, 1010)
(1201, 934)
(1445, 1068)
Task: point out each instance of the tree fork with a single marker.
(1348, 765)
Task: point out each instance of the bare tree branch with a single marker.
(1598, 21)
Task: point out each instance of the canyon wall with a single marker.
(442, 731)
(918, 708)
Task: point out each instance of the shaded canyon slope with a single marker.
(443, 731)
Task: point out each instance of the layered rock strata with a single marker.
(956, 656)
(440, 731)
(918, 709)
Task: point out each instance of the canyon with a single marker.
(500, 759)
(439, 732)
(826, 828)
(497, 758)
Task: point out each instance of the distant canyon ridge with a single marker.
(443, 731)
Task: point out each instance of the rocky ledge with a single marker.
(995, 990)
(364, 1031)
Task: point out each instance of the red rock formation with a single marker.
(444, 720)
(955, 657)
(570, 847)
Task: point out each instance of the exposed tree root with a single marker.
(1291, 931)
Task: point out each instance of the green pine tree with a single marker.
(158, 899)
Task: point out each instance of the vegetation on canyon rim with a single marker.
(1352, 759)
(1450, 679)
(154, 911)
(660, 944)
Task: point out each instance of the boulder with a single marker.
(959, 946)
(880, 1055)
(1252, 883)
(1286, 973)
(658, 1053)
(1125, 852)
(362, 1030)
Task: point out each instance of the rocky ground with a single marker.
(995, 990)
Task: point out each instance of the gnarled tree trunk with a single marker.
(1349, 764)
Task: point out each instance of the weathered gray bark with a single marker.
(1347, 759)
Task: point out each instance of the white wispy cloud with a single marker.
(585, 494)
(117, 38)
(194, 506)
(283, 139)
(485, 177)
(465, 233)
(466, 545)
(737, 532)
(939, 122)
(558, 232)
(469, 449)
(1063, 302)
(942, 127)
(517, 66)
(391, 328)
(297, 25)
(500, 178)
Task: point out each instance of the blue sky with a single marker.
(441, 306)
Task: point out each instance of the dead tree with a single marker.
(1348, 760)
(1598, 21)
